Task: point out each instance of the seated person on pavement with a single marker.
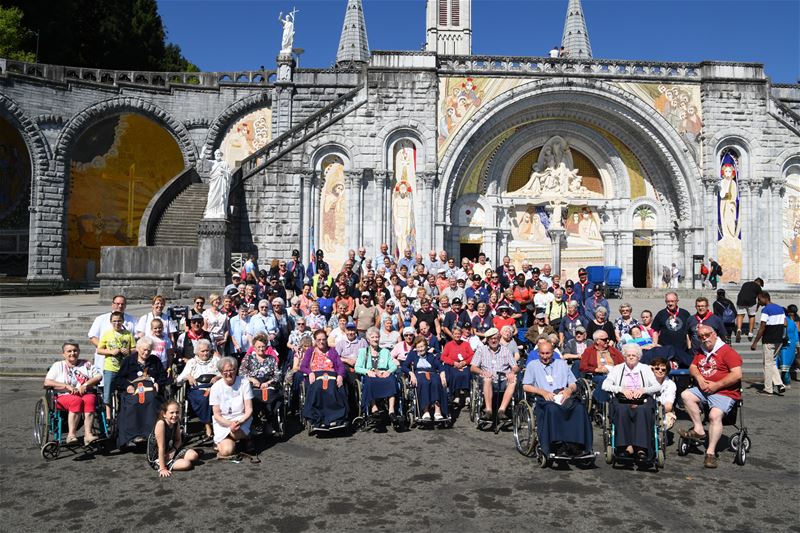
(493, 363)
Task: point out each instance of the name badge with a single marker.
(549, 379)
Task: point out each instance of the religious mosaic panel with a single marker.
(729, 229)
(117, 166)
(403, 193)
(248, 134)
(333, 204)
(791, 227)
(678, 103)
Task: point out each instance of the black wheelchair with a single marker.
(739, 441)
(382, 419)
(411, 413)
(270, 409)
(477, 402)
(49, 427)
(656, 456)
(182, 397)
(527, 441)
(326, 381)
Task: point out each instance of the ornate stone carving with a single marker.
(219, 187)
(553, 175)
(287, 40)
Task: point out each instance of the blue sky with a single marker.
(239, 35)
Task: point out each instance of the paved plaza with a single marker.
(443, 480)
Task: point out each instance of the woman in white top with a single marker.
(633, 409)
(202, 364)
(144, 324)
(231, 400)
(216, 324)
(668, 390)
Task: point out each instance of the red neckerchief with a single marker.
(583, 285)
(195, 336)
(569, 295)
(675, 314)
(704, 318)
(572, 317)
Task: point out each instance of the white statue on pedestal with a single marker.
(219, 185)
(553, 174)
(288, 31)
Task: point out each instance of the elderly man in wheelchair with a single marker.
(70, 385)
(631, 431)
(495, 372)
(558, 418)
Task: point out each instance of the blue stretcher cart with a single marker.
(610, 277)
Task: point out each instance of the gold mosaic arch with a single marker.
(587, 170)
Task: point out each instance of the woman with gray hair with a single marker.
(601, 322)
(201, 373)
(231, 400)
(632, 406)
(140, 383)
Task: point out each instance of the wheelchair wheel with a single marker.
(660, 458)
(41, 422)
(741, 455)
(541, 459)
(683, 446)
(50, 450)
(609, 454)
(736, 438)
(473, 400)
(302, 403)
(524, 430)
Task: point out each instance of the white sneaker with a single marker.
(438, 417)
(426, 416)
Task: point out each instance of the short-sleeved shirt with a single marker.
(774, 317)
(102, 324)
(668, 392)
(498, 362)
(161, 345)
(143, 325)
(555, 376)
(113, 340)
(717, 364)
(672, 328)
(568, 324)
(73, 376)
(748, 294)
(230, 399)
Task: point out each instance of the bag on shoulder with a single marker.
(728, 315)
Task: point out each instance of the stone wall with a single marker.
(139, 273)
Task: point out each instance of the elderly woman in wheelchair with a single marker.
(324, 391)
(426, 375)
(140, 384)
(199, 374)
(556, 427)
(378, 381)
(630, 428)
(70, 385)
(261, 369)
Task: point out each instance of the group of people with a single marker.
(437, 323)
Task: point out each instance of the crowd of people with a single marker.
(439, 322)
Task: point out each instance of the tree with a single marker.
(175, 62)
(13, 35)
(114, 34)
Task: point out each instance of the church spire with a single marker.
(353, 45)
(576, 38)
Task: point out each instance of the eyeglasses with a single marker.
(660, 369)
(704, 337)
(604, 339)
(229, 371)
(580, 333)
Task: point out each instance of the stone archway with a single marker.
(658, 149)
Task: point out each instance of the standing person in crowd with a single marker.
(747, 302)
(263, 322)
(102, 324)
(455, 316)
(365, 314)
(770, 333)
(233, 286)
(717, 369)
(187, 341)
(198, 308)
(726, 311)
(789, 350)
(556, 309)
(704, 272)
(595, 300)
(318, 264)
(571, 321)
(162, 344)
(542, 297)
(114, 346)
(704, 316)
(157, 312)
(237, 332)
(216, 324)
(646, 322)
(714, 272)
(670, 328)
(297, 270)
(583, 289)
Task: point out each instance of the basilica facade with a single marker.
(571, 160)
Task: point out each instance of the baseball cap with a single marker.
(539, 315)
(408, 330)
(365, 293)
(320, 253)
(535, 270)
(598, 287)
(491, 332)
(569, 283)
(295, 253)
(236, 275)
(581, 271)
(350, 326)
(197, 318)
(476, 277)
(457, 301)
(580, 329)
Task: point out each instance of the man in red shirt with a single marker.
(717, 369)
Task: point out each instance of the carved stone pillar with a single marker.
(426, 184)
(748, 194)
(711, 190)
(213, 252)
(774, 263)
(556, 240)
(306, 216)
(381, 210)
(352, 187)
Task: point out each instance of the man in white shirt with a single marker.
(482, 265)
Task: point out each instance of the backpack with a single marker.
(719, 270)
(728, 315)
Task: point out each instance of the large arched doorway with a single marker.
(559, 168)
(116, 167)
(15, 185)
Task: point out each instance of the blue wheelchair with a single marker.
(49, 428)
(656, 456)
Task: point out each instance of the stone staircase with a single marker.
(178, 224)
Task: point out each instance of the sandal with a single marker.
(72, 439)
(235, 458)
(87, 440)
(691, 434)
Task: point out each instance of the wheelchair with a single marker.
(739, 441)
(595, 409)
(410, 411)
(49, 427)
(477, 403)
(379, 421)
(526, 438)
(327, 380)
(656, 456)
(276, 418)
(182, 397)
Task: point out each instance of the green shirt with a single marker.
(111, 340)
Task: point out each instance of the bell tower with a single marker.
(449, 27)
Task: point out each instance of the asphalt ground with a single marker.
(457, 479)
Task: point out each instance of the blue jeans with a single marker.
(108, 385)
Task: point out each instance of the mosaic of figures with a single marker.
(791, 227)
(405, 185)
(729, 231)
(248, 134)
(333, 204)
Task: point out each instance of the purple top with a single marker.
(338, 365)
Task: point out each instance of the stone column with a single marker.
(609, 246)
(213, 253)
(777, 189)
(426, 186)
(625, 255)
(379, 205)
(663, 253)
(306, 216)
(556, 239)
(47, 247)
(711, 188)
(352, 186)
